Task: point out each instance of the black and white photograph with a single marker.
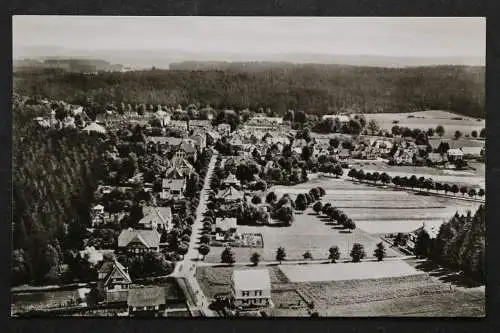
(233, 167)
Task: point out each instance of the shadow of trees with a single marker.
(447, 275)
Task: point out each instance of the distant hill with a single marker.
(164, 58)
(70, 64)
(304, 60)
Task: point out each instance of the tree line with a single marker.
(357, 253)
(460, 244)
(415, 182)
(317, 90)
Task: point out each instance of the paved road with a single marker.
(186, 269)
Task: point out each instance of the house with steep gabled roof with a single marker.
(231, 194)
(180, 164)
(138, 241)
(113, 281)
(159, 218)
(231, 180)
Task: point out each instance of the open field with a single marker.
(441, 304)
(347, 271)
(428, 119)
(382, 210)
(457, 143)
(411, 295)
(375, 210)
(469, 176)
(446, 176)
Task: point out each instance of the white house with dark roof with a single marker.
(454, 154)
(138, 241)
(251, 288)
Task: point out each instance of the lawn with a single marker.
(347, 271)
(428, 119)
(308, 233)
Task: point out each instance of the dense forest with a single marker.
(55, 174)
(460, 244)
(315, 89)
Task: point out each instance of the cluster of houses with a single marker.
(114, 281)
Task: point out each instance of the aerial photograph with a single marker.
(248, 166)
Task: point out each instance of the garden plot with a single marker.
(348, 271)
(343, 292)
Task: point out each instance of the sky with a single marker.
(376, 36)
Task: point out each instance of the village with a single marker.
(220, 213)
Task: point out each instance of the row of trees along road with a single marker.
(357, 254)
(415, 182)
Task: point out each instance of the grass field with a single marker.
(307, 233)
(347, 271)
(428, 119)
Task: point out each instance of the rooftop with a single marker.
(146, 296)
(150, 238)
(251, 279)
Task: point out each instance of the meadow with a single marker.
(428, 119)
